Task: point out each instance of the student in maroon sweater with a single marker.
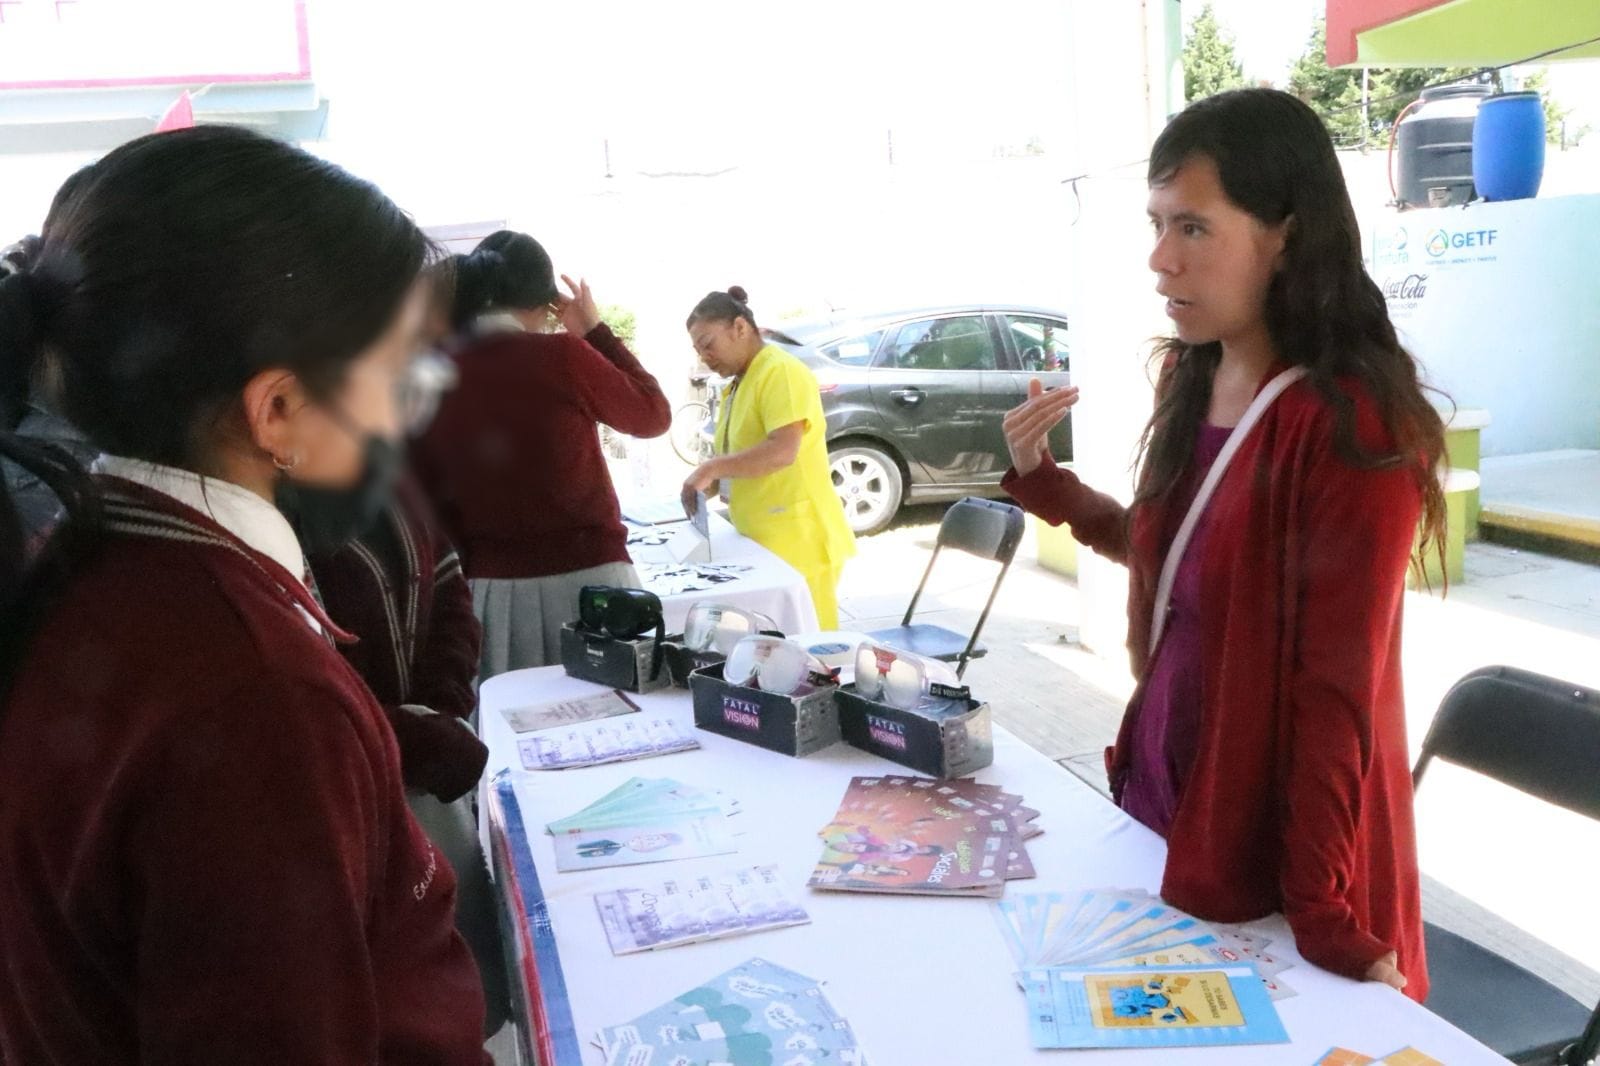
(205, 849)
(1266, 739)
(395, 583)
(513, 461)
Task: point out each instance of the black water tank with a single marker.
(1434, 143)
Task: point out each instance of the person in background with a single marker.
(437, 329)
(205, 849)
(386, 574)
(771, 441)
(34, 417)
(394, 583)
(1266, 739)
(512, 461)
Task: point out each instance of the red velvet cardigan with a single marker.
(1300, 796)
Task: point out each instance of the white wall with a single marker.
(1500, 302)
(1117, 113)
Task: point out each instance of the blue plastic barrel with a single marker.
(1508, 147)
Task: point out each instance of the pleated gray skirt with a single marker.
(522, 618)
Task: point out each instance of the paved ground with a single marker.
(1487, 852)
(1545, 494)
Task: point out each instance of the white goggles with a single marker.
(773, 664)
(716, 627)
(904, 680)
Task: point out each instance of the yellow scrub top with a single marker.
(794, 512)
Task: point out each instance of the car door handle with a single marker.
(908, 397)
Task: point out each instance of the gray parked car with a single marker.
(915, 399)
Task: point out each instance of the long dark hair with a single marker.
(1276, 160)
(506, 270)
(183, 265)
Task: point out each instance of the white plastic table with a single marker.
(762, 583)
(923, 981)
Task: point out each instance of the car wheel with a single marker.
(869, 486)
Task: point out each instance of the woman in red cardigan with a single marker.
(1266, 739)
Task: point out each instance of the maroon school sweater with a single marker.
(205, 850)
(400, 591)
(513, 463)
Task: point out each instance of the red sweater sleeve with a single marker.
(1098, 521)
(440, 754)
(252, 948)
(1357, 528)
(447, 661)
(616, 388)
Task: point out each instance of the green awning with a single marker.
(1459, 33)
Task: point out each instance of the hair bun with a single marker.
(738, 293)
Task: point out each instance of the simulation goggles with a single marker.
(626, 614)
(714, 627)
(773, 664)
(904, 680)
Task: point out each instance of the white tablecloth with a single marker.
(762, 583)
(925, 982)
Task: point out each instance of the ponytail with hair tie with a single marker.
(506, 271)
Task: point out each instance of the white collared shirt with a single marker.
(497, 322)
(253, 520)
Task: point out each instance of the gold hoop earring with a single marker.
(293, 461)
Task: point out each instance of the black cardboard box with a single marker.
(953, 742)
(623, 664)
(790, 725)
(681, 662)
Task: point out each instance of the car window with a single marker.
(854, 351)
(1041, 343)
(962, 343)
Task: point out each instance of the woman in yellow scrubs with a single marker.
(772, 449)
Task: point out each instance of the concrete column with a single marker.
(1127, 80)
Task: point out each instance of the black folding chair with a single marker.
(987, 529)
(1542, 737)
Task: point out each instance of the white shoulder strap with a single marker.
(1180, 543)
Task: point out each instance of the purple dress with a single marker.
(1167, 729)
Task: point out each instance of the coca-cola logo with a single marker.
(1410, 287)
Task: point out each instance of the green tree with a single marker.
(621, 320)
(1555, 115)
(1210, 64)
(1395, 89)
(1333, 93)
